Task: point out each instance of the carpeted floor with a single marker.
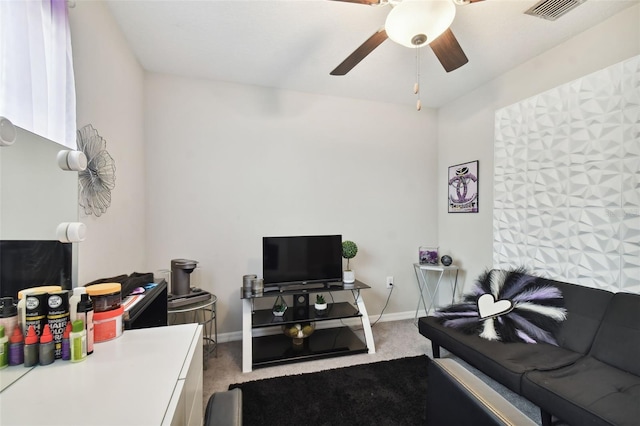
(393, 339)
(381, 393)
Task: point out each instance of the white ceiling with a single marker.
(294, 44)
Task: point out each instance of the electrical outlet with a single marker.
(390, 282)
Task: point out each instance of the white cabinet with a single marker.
(151, 376)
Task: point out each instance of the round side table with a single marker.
(204, 313)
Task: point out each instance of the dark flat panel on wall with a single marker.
(25, 264)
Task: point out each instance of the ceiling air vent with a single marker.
(553, 9)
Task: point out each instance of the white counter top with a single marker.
(126, 381)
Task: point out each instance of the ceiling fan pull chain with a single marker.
(416, 86)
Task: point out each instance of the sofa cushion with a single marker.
(617, 342)
(586, 307)
(504, 362)
(587, 392)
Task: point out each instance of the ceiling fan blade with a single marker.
(360, 53)
(364, 1)
(448, 51)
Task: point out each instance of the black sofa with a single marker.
(591, 378)
(455, 396)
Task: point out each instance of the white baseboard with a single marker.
(353, 322)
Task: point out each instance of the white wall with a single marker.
(109, 91)
(466, 126)
(567, 181)
(229, 164)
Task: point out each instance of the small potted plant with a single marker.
(349, 251)
(279, 307)
(321, 304)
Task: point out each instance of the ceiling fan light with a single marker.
(415, 23)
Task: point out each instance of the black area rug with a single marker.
(382, 393)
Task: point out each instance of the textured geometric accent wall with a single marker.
(567, 181)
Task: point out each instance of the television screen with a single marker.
(302, 259)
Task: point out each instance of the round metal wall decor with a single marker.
(99, 178)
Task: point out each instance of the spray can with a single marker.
(57, 318)
(73, 302)
(8, 315)
(31, 350)
(66, 344)
(16, 347)
(78, 340)
(85, 313)
(35, 311)
(22, 299)
(4, 349)
(46, 351)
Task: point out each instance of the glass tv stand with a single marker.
(265, 344)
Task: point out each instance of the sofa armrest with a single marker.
(224, 409)
(457, 396)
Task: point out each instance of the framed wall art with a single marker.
(463, 188)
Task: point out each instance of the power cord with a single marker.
(355, 297)
(384, 307)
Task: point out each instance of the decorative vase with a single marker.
(298, 332)
(349, 277)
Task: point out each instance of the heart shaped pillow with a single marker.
(508, 306)
(489, 307)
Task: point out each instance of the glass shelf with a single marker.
(303, 289)
(279, 349)
(265, 318)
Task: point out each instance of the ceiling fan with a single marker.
(413, 23)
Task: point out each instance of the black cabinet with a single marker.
(150, 311)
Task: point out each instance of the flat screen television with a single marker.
(301, 260)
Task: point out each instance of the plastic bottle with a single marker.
(85, 313)
(73, 302)
(47, 349)
(57, 317)
(22, 296)
(16, 347)
(31, 348)
(66, 344)
(78, 340)
(8, 315)
(35, 311)
(4, 349)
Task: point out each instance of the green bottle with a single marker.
(4, 348)
(78, 341)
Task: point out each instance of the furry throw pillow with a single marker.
(508, 306)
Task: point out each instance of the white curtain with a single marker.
(37, 90)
